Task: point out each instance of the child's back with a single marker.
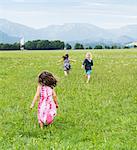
(48, 101)
(46, 106)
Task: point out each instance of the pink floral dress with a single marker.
(46, 106)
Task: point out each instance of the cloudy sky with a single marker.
(41, 13)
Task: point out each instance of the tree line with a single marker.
(44, 45)
(15, 46)
(53, 45)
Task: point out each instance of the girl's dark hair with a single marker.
(65, 57)
(47, 79)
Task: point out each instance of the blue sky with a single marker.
(41, 13)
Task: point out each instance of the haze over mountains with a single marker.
(11, 32)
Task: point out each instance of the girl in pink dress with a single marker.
(48, 100)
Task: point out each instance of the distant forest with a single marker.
(53, 45)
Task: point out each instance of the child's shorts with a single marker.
(88, 72)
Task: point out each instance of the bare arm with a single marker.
(92, 64)
(61, 60)
(55, 98)
(36, 96)
(72, 60)
(83, 64)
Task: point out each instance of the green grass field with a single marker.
(101, 115)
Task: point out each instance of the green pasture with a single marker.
(101, 115)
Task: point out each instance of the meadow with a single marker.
(101, 115)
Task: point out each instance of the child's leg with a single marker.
(88, 75)
(41, 125)
(65, 73)
(88, 78)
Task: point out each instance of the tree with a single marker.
(78, 46)
(31, 45)
(68, 46)
(44, 45)
(7, 46)
(54, 45)
(98, 47)
(135, 46)
(126, 47)
(107, 47)
(114, 47)
(90, 47)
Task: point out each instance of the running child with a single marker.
(47, 99)
(67, 66)
(87, 64)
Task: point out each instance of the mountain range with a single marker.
(11, 32)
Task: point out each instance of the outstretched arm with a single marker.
(36, 96)
(83, 64)
(60, 61)
(55, 99)
(92, 63)
(72, 60)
